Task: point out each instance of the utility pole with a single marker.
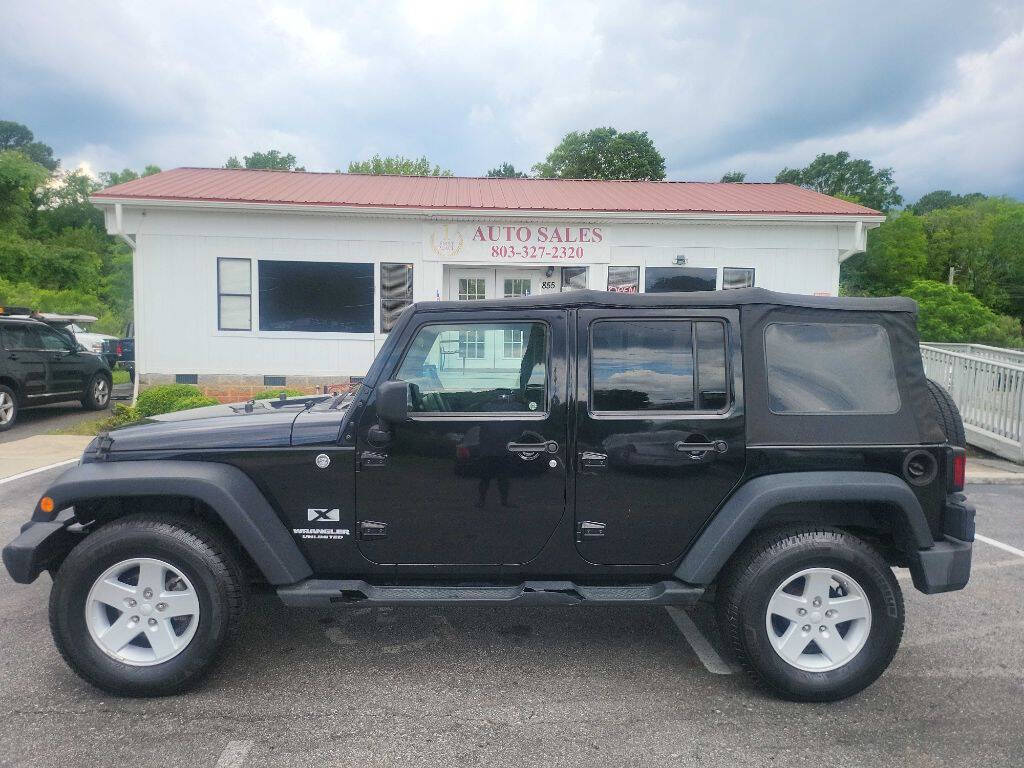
(952, 274)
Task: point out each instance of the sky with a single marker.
(934, 89)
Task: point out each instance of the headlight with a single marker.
(97, 347)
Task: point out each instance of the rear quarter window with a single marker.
(830, 368)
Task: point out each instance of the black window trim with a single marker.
(830, 414)
(541, 415)
(751, 270)
(220, 323)
(662, 415)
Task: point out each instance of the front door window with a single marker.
(472, 289)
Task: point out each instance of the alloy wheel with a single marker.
(142, 611)
(6, 408)
(100, 393)
(818, 619)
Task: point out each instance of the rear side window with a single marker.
(21, 337)
(827, 368)
(644, 365)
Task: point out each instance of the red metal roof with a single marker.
(452, 192)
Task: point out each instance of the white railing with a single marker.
(987, 384)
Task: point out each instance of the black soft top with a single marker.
(740, 297)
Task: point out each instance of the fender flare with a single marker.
(228, 491)
(757, 498)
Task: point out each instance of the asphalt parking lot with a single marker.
(546, 687)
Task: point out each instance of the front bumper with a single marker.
(41, 547)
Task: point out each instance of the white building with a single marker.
(252, 278)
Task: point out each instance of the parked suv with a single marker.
(776, 454)
(40, 364)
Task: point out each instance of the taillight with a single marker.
(119, 352)
(959, 469)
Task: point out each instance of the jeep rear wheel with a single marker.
(812, 614)
(143, 606)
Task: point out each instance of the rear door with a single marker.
(477, 473)
(25, 359)
(660, 439)
(67, 366)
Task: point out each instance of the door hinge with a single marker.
(589, 529)
(372, 460)
(371, 529)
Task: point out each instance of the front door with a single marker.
(660, 440)
(477, 473)
(25, 358)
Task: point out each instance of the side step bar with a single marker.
(313, 593)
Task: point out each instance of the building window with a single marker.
(472, 288)
(624, 279)
(829, 368)
(316, 296)
(275, 381)
(516, 287)
(574, 278)
(484, 381)
(234, 294)
(186, 378)
(395, 293)
(672, 365)
(737, 277)
(681, 279)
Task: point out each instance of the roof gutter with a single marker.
(433, 214)
(119, 226)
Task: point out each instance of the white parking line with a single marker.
(234, 754)
(1000, 545)
(705, 652)
(37, 470)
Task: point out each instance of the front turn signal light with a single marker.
(46, 505)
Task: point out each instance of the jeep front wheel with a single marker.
(812, 614)
(143, 606)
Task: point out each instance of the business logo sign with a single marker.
(515, 243)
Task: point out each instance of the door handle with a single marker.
(12, 356)
(699, 450)
(549, 446)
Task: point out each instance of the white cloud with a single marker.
(932, 89)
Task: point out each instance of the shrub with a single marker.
(947, 313)
(163, 399)
(200, 401)
(273, 394)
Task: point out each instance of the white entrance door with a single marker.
(511, 283)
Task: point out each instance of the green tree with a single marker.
(505, 171)
(960, 239)
(65, 204)
(943, 198)
(110, 178)
(946, 313)
(604, 153)
(840, 175)
(398, 165)
(15, 136)
(20, 178)
(271, 160)
(733, 177)
(897, 254)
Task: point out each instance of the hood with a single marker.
(264, 424)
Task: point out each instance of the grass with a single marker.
(87, 427)
(121, 376)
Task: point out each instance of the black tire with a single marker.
(762, 565)
(199, 554)
(949, 415)
(9, 402)
(97, 392)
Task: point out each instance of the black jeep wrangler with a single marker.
(777, 454)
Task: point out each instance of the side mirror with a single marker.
(393, 401)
